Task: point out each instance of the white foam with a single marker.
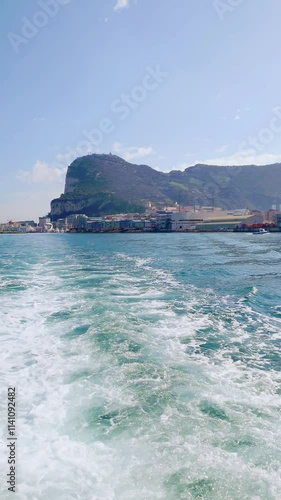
(97, 420)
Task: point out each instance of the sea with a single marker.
(145, 366)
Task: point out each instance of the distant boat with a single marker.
(260, 230)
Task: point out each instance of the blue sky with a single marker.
(168, 84)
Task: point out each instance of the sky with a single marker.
(162, 83)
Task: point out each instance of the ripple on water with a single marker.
(142, 379)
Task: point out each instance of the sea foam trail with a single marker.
(133, 381)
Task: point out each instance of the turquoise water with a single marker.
(146, 366)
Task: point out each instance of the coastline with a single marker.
(269, 231)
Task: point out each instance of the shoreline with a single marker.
(140, 232)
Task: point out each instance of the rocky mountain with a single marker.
(104, 184)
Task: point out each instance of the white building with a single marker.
(43, 221)
(185, 221)
(204, 220)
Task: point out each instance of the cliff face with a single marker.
(104, 184)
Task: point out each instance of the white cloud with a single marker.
(121, 4)
(132, 152)
(42, 173)
(240, 158)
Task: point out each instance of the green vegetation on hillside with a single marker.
(104, 184)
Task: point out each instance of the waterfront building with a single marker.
(278, 221)
(229, 222)
(43, 221)
(203, 220)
